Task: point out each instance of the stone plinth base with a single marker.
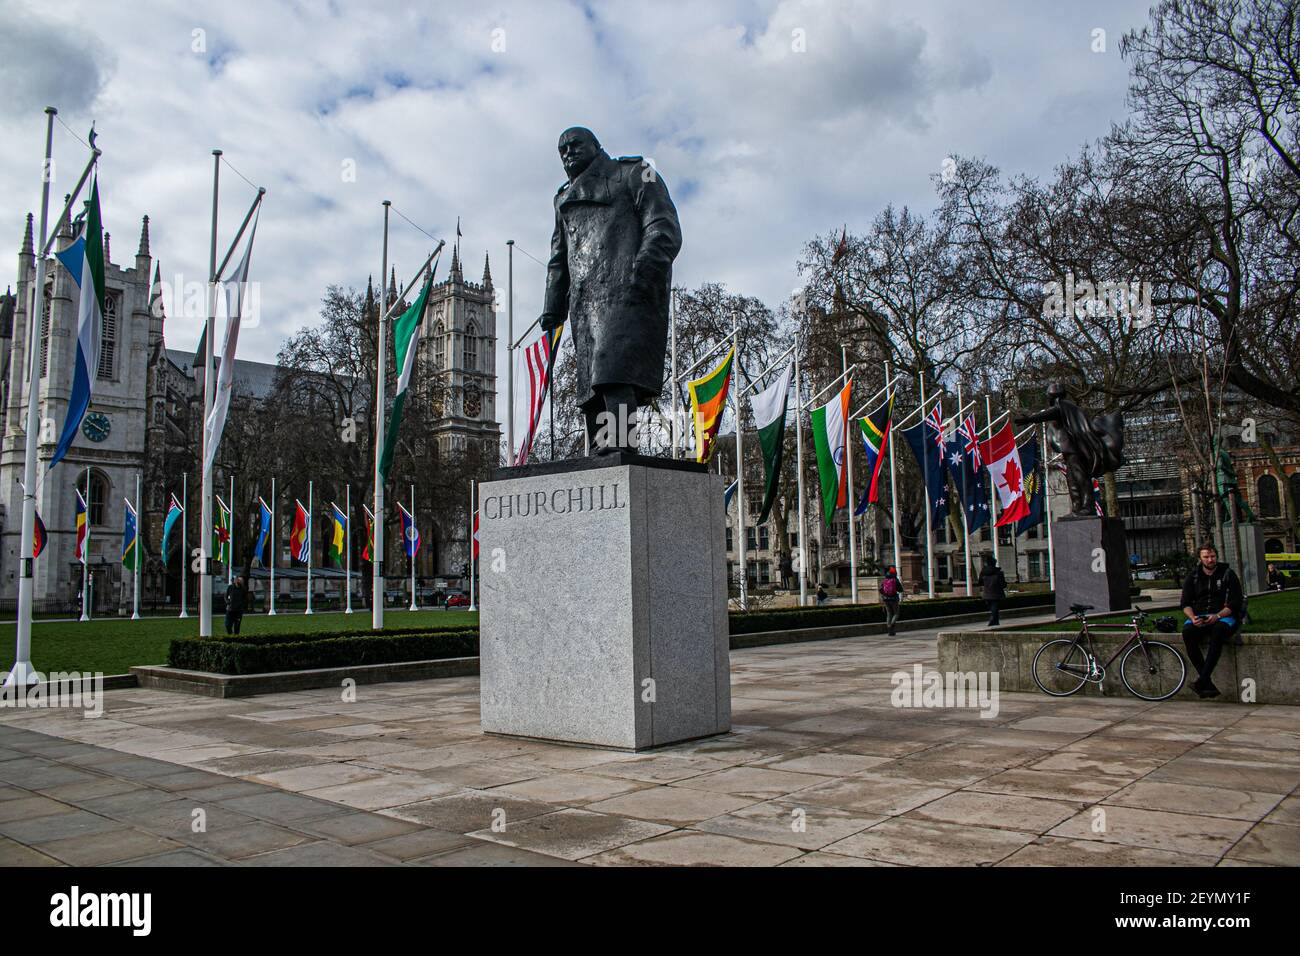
(603, 609)
(1091, 559)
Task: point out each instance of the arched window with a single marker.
(439, 347)
(1294, 482)
(1270, 503)
(108, 339)
(471, 347)
(97, 500)
(45, 335)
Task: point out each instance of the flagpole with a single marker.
(311, 519)
(929, 507)
(230, 536)
(185, 541)
(510, 354)
(410, 547)
(377, 552)
(205, 494)
(85, 556)
(893, 478)
(965, 526)
(473, 604)
(741, 549)
(1047, 511)
(848, 461)
(672, 337)
(347, 530)
(798, 464)
(993, 491)
(139, 554)
(275, 547)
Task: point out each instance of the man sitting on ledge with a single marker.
(1212, 601)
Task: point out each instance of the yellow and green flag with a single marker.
(708, 401)
(338, 526)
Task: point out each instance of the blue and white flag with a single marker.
(84, 260)
(410, 533)
(236, 298)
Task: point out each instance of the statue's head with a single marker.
(1056, 392)
(578, 147)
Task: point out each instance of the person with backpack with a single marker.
(1213, 602)
(891, 593)
(821, 595)
(993, 586)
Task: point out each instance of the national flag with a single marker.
(830, 437)
(221, 532)
(39, 538)
(410, 533)
(770, 406)
(84, 260)
(841, 248)
(968, 431)
(175, 513)
(300, 534)
(236, 294)
(338, 528)
(406, 338)
(935, 423)
(1007, 472)
(82, 527)
(130, 540)
(534, 365)
(1034, 490)
(367, 553)
(728, 494)
(708, 398)
(875, 430)
(969, 483)
(476, 535)
(263, 531)
(932, 470)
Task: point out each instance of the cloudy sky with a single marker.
(771, 120)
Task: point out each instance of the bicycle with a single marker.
(1150, 670)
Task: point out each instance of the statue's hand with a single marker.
(1022, 419)
(551, 322)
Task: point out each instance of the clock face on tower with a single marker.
(96, 426)
(473, 401)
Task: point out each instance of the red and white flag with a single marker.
(476, 535)
(1002, 459)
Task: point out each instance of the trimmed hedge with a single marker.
(790, 619)
(274, 653)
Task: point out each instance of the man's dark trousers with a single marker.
(232, 622)
(1218, 633)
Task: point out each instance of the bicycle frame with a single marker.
(1085, 634)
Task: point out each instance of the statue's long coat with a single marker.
(610, 273)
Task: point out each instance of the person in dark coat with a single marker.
(993, 588)
(1213, 602)
(236, 602)
(610, 275)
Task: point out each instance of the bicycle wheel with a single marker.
(1152, 670)
(1060, 667)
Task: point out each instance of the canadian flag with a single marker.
(1003, 460)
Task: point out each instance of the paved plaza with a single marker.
(820, 770)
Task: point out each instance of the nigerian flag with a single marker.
(406, 336)
(769, 414)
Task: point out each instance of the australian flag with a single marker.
(968, 479)
(932, 467)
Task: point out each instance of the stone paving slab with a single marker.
(820, 770)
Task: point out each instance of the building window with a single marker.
(1035, 565)
(108, 339)
(471, 348)
(96, 501)
(439, 347)
(749, 538)
(730, 540)
(763, 540)
(45, 336)
(1270, 502)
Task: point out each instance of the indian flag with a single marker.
(406, 338)
(830, 431)
(708, 400)
(769, 408)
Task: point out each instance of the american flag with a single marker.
(538, 362)
(968, 431)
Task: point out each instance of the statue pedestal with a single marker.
(603, 602)
(1248, 558)
(1092, 565)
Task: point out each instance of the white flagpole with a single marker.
(893, 478)
(205, 494)
(230, 537)
(377, 555)
(672, 334)
(347, 530)
(85, 559)
(473, 506)
(410, 546)
(798, 465)
(993, 491)
(965, 527)
(741, 549)
(185, 541)
(510, 355)
(275, 551)
(925, 471)
(1047, 513)
(311, 519)
(848, 460)
(139, 557)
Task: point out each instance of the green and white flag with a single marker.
(769, 408)
(406, 337)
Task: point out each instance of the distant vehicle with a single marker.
(458, 599)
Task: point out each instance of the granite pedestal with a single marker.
(1079, 546)
(1248, 559)
(603, 602)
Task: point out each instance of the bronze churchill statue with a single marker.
(610, 275)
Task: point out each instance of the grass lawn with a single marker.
(113, 645)
(1269, 613)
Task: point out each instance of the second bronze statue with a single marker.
(610, 276)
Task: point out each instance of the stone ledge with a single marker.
(1272, 661)
(208, 684)
(837, 631)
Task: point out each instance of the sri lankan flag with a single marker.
(221, 532)
(875, 440)
(338, 526)
(708, 400)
